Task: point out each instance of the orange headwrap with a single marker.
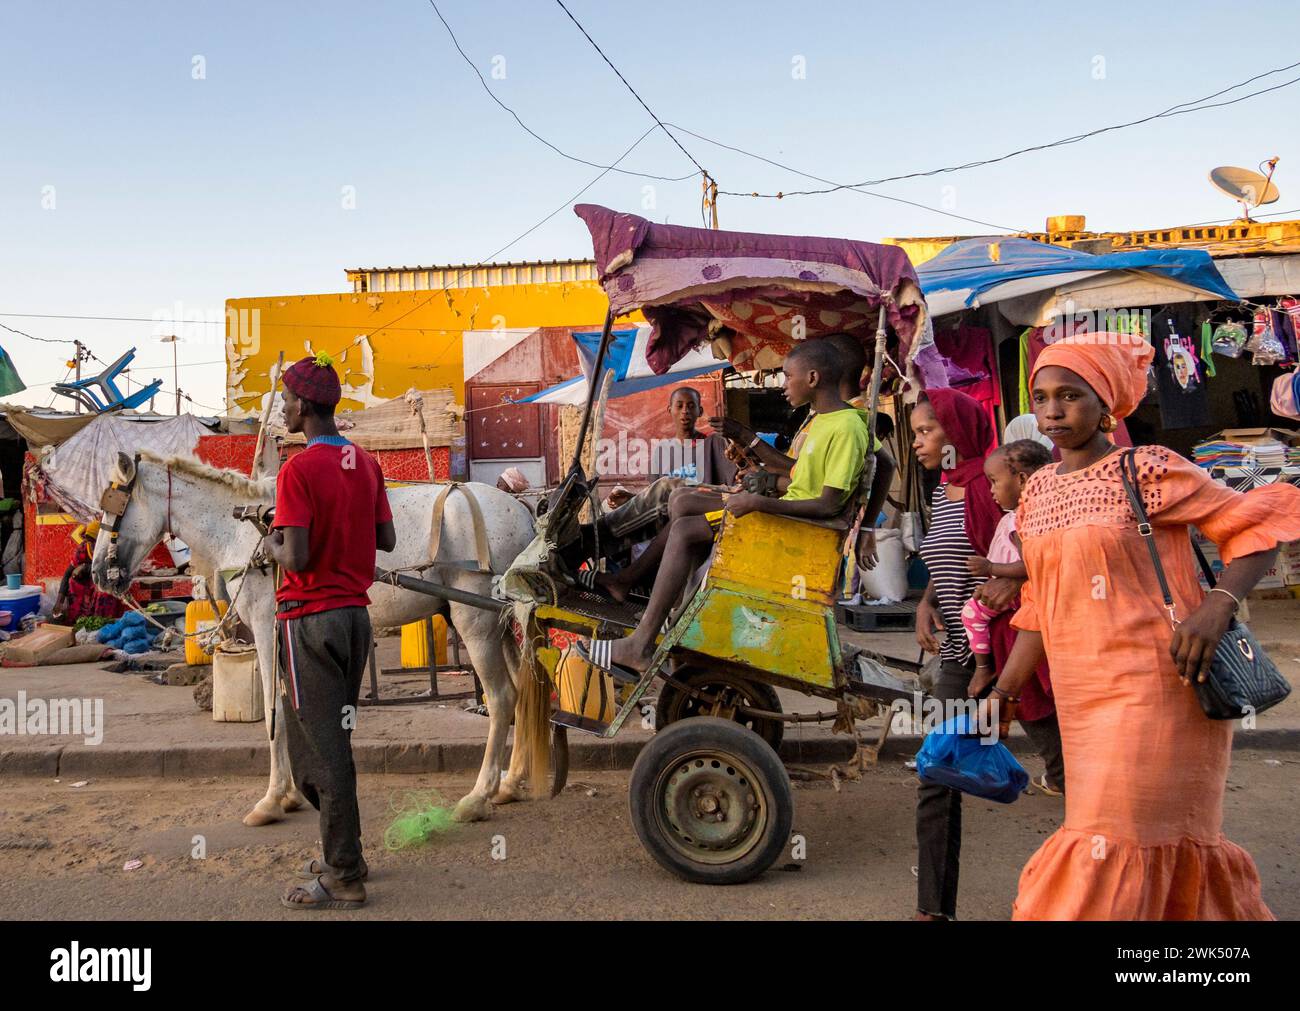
(1113, 364)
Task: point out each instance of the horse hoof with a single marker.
(261, 816)
(506, 795)
(472, 808)
(292, 801)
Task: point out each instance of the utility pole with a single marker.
(176, 378)
(78, 367)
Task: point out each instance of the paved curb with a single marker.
(196, 760)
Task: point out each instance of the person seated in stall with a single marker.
(823, 480)
(690, 457)
(682, 502)
(78, 597)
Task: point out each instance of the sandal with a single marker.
(1041, 784)
(317, 898)
(314, 868)
(598, 655)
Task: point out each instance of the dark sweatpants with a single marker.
(938, 817)
(322, 659)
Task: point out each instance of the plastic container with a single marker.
(888, 580)
(20, 602)
(199, 616)
(575, 677)
(415, 645)
(236, 686)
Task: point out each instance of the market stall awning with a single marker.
(750, 295)
(632, 371)
(980, 271)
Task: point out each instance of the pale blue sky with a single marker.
(173, 189)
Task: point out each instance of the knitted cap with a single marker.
(314, 379)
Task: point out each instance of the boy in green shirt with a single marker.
(824, 477)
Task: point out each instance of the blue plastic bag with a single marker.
(951, 757)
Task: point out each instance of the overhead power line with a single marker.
(44, 340)
(487, 259)
(529, 130)
(855, 189)
(658, 121)
(1181, 109)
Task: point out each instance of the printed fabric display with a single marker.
(1180, 353)
(1183, 396)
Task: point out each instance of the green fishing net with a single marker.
(418, 817)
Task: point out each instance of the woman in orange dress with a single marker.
(1142, 838)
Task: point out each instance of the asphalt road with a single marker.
(63, 850)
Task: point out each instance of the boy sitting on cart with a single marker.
(823, 479)
(696, 501)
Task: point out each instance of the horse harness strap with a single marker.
(113, 502)
(484, 558)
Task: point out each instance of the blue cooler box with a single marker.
(20, 602)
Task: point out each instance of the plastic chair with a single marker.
(81, 389)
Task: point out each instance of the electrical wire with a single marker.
(310, 326)
(483, 262)
(1182, 108)
(658, 121)
(529, 130)
(45, 340)
(854, 188)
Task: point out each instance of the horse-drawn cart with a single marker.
(710, 799)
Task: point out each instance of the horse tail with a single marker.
(533, 705)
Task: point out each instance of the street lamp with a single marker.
(176, 379)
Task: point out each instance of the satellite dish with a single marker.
(1250, 189)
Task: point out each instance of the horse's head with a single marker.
(127, 536)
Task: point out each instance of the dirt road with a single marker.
(63, 847)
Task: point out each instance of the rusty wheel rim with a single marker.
(710, 807)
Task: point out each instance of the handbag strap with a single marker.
(1128, 476)
(1204, 563)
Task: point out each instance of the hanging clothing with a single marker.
(1142, 837)
(970, 350)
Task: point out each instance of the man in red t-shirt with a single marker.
(331, 515)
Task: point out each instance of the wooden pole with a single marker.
(424, 437)
(266, 416)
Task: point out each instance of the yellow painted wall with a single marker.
(416, 335)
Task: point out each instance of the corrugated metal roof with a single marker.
(468, 266)
(471, 275)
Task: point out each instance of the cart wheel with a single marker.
(675, 705)
(710, 801)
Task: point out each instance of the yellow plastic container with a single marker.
(574, 677)
(199, 615)
(415, 647)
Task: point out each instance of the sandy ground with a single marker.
(63, 847)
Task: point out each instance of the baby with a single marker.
(1007, 469)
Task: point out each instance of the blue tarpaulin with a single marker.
(971, 271)
(632, 373)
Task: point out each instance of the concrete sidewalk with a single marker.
(155, 730)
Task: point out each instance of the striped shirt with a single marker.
(944, 551)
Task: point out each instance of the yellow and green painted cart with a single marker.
(710, 798)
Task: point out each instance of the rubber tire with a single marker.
(763, 696)
(664, 750)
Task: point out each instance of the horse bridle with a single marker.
(116, 497)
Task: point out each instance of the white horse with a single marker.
(195, 502)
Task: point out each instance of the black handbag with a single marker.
(1242, 680)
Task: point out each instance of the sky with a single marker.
(159, 158)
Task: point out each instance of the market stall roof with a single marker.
(993, 269)
(632, 372)
(749, 294)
